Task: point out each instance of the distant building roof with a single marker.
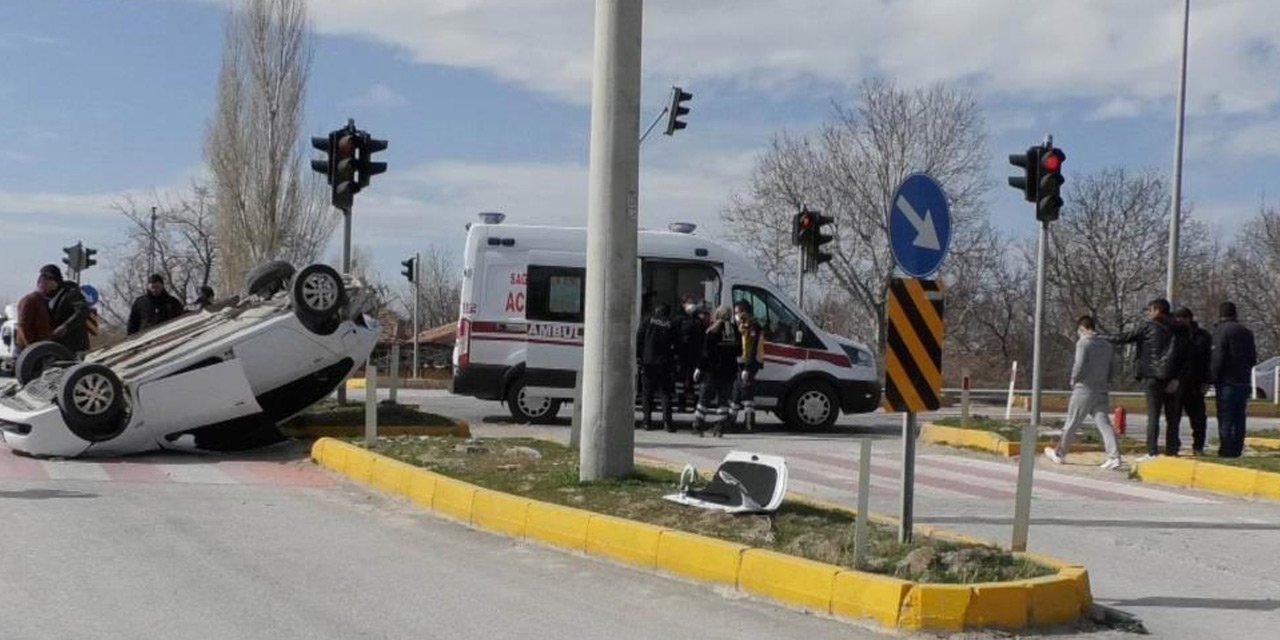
(443, 335)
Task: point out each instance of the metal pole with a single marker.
(864, 504)
(800, 296)
(1013, 381)
(371, 405)
(346, 268)
(608, 390)
(964, 399)
(151, 245)
(1175, 215)
(655, 123)
(394, 370)
(1027, 453)
(907, 518)
(1275, 385)
(417, 294)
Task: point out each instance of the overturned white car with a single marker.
(222, 379)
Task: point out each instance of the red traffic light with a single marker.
(1052, 160)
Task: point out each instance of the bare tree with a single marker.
(1253, 270)
(268, 206)
(849, 169)
(182, 249)
(440, 293)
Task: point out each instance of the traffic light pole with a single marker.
(370, 386)
(1027, 453)
(607, 443)
(800, 292)
(417, 295)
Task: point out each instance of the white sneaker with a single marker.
(1146, 457)
(1052, 454)
(1111, 463)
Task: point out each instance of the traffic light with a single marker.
(1049, 186)
(814, 255)
(1029, 162)
(86, 259)
(324, 144)
(344, 180)
(366, 167)
(676, 109)
(408, 270)
(801, 226)
(75, 256)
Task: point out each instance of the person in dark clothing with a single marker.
(1161, 352)
(1194, 378)
(717, 370)
(153, 307)
(1231, 369)
(69, 312)
(750, 360)
(656, 344)
(690, 334)
(35, 324)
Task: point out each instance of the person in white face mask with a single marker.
(1090, 385)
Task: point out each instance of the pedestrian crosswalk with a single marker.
(940, 476)
(165, 468)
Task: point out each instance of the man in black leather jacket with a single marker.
(1162, 349)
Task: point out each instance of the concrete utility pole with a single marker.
(1175, 214)
(608, 392)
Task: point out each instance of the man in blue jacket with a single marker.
(1231, 368)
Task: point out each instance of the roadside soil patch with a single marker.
(329, 413)
(548, 471)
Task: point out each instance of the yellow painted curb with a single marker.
(983, 440)
(788, 579)
(355, 383)
(815, 586)
(1222, 478)
(1262, 443)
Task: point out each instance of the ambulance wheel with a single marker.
(266, 279)
(813, 405)
(37, 357)
(318, 295)
(92, 401)
(531, 409)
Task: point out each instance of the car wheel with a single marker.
(812, 406)
(92, 401)
(37, 357)
(526, 408)
(266, 279)
(318, 296)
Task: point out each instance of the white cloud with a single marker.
(1109, 52)
(379, 96)
(1241, 141)
(1117, 108)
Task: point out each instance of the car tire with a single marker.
(91, 397)
(813, 405)
(318, 297)
(528, 410)
(267, 279)
(37, 357)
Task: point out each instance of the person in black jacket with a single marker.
(69, 312)
(1161, 351)
(153, 307)
(656, 344)
(691, 331)
(1231, 369)
(1194, 379)
(717, 371)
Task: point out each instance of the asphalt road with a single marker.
(271, 547)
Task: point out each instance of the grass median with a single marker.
(548, 471)
(329, 413)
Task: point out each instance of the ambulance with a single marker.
(520, 326)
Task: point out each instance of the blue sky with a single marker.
(485, 102)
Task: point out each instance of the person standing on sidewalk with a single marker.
(656, 343)
(1195, 377)
(1161, 351)
(1090, 385)
(1231, 369)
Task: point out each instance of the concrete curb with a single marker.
(1221, 478)
(458, 429)
(896, 604)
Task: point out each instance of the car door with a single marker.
(206, 395)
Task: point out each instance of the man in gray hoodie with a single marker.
(1090, 384)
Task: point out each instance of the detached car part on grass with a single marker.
(743, 483)
(222, 379)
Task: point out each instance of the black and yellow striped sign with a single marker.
(913, 354)
(91, 323)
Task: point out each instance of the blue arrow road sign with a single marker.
(90, 294)
(919, 225)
